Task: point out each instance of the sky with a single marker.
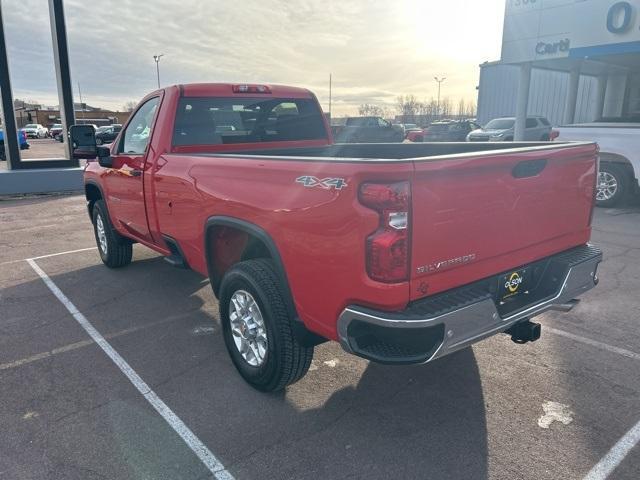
(374, 49)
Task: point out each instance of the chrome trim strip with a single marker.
(479, 320)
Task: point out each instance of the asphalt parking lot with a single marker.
(40, 148)
(553, 409)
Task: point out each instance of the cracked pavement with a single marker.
(71, 414)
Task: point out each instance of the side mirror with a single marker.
(104, 157)
(83, 142)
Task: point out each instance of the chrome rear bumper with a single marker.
(470, 316)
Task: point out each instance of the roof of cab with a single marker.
(225, 90)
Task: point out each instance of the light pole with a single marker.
(157, 60)
(439, 80)
(330, 96)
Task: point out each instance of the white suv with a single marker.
(537, 129)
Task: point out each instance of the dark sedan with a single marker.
(107, 134)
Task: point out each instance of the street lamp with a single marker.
(157, 60)
(439, 80)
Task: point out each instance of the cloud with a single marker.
(375, 50)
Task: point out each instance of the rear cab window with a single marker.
(531, 123)
(233, 120)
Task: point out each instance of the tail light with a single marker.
(387, 249)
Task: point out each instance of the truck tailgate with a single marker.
(480, 214)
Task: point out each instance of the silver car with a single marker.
(501, 130)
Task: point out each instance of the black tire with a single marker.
(286, 361)
(119, 250)
(623, 181)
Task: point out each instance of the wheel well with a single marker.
(92, 193)
(230, 240)
(228, 245)
(614, 158)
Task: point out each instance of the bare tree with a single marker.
(129, 106)
(370, 110)
(471, 110)
(462, 108)
(408, 106)
(445, 107)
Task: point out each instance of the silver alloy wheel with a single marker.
(102, 235)
(607, 186)
(248, 328)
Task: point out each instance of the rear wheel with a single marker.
(613, 185)
(115, 250)
(257, 327)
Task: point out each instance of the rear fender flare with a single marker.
(303, 335)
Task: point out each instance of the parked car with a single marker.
(368, 130)
(619, 141)
(444, 131)
(402, 252)
(409, 127)
(107, 134)
(35, 130)
(55, 130)
(502, 129)
(22, 142)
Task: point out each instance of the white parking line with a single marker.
(84, 343)
(50, 255)
(594, 343)
(614, 457)
(621, 449)
(194, 443)
(63, 253)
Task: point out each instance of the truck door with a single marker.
(123, 183)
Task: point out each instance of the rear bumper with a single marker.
(436, 326)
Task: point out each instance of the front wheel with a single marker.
(257, 327)
(613, 185)
(115, 251)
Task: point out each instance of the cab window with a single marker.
(136, 136)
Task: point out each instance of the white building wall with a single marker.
(498, 91)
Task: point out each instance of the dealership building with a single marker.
(573, 61)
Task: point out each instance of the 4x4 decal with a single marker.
(326, 183)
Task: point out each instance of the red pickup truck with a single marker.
(403, 253)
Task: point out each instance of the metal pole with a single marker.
(439, 80)
(63, 72)
(329, 95)
(81, 106)
(157, 60)
(11, 147)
